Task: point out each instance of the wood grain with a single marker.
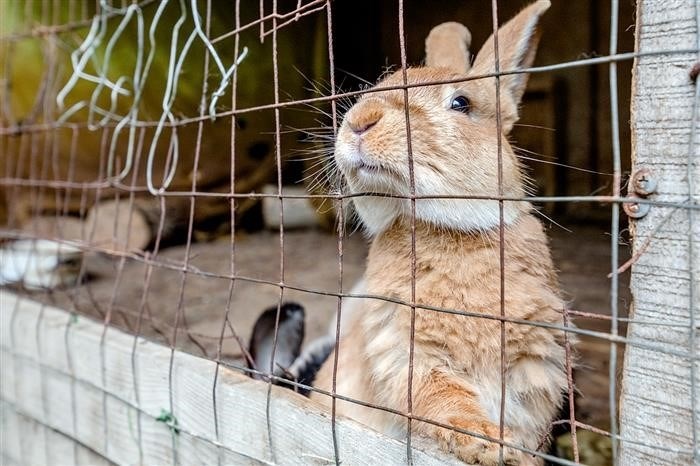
(64, 377)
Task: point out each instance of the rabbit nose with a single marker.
(364, 119)
(360, 127)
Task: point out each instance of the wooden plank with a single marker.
(27, 441)
(61, 373)
(656, 400)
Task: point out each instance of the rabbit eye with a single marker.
(461, 104)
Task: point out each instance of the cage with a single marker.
(167, 176)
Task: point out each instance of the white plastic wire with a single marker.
(99, 117)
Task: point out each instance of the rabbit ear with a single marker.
(290, 334)
(517, 45)
(447, 46)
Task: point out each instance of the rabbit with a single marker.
(456, 377)
(40, 264)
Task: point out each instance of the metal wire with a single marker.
(501, 231)
(615, 227)
(616, 58)
(278, 160)
(232, 283)
(341, 234)
(412, 187)
(175, 266)
(692, 285)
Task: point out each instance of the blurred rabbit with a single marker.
(290, 362)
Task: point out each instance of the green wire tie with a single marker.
(168, 419)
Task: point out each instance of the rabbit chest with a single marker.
(451, 274)
(462, 273)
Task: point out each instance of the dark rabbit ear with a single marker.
(447, 46)
(290, 335)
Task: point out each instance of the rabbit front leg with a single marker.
(446, 399)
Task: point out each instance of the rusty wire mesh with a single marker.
(34, 172)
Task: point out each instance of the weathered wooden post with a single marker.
(659, 400)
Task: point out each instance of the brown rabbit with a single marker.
(457, 358)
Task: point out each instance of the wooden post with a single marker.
(659, 405)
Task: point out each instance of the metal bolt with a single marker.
(643, 183)
(635, 210)
(694, 72)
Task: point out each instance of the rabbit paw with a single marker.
(474, 450)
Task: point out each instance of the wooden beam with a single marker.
(657, 394)
(26, 441)
(115, 397)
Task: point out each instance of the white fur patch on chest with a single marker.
(378, 213)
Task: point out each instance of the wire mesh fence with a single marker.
(146, 144)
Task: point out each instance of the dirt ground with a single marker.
(311, 262)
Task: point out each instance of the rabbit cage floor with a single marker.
(311, 262)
